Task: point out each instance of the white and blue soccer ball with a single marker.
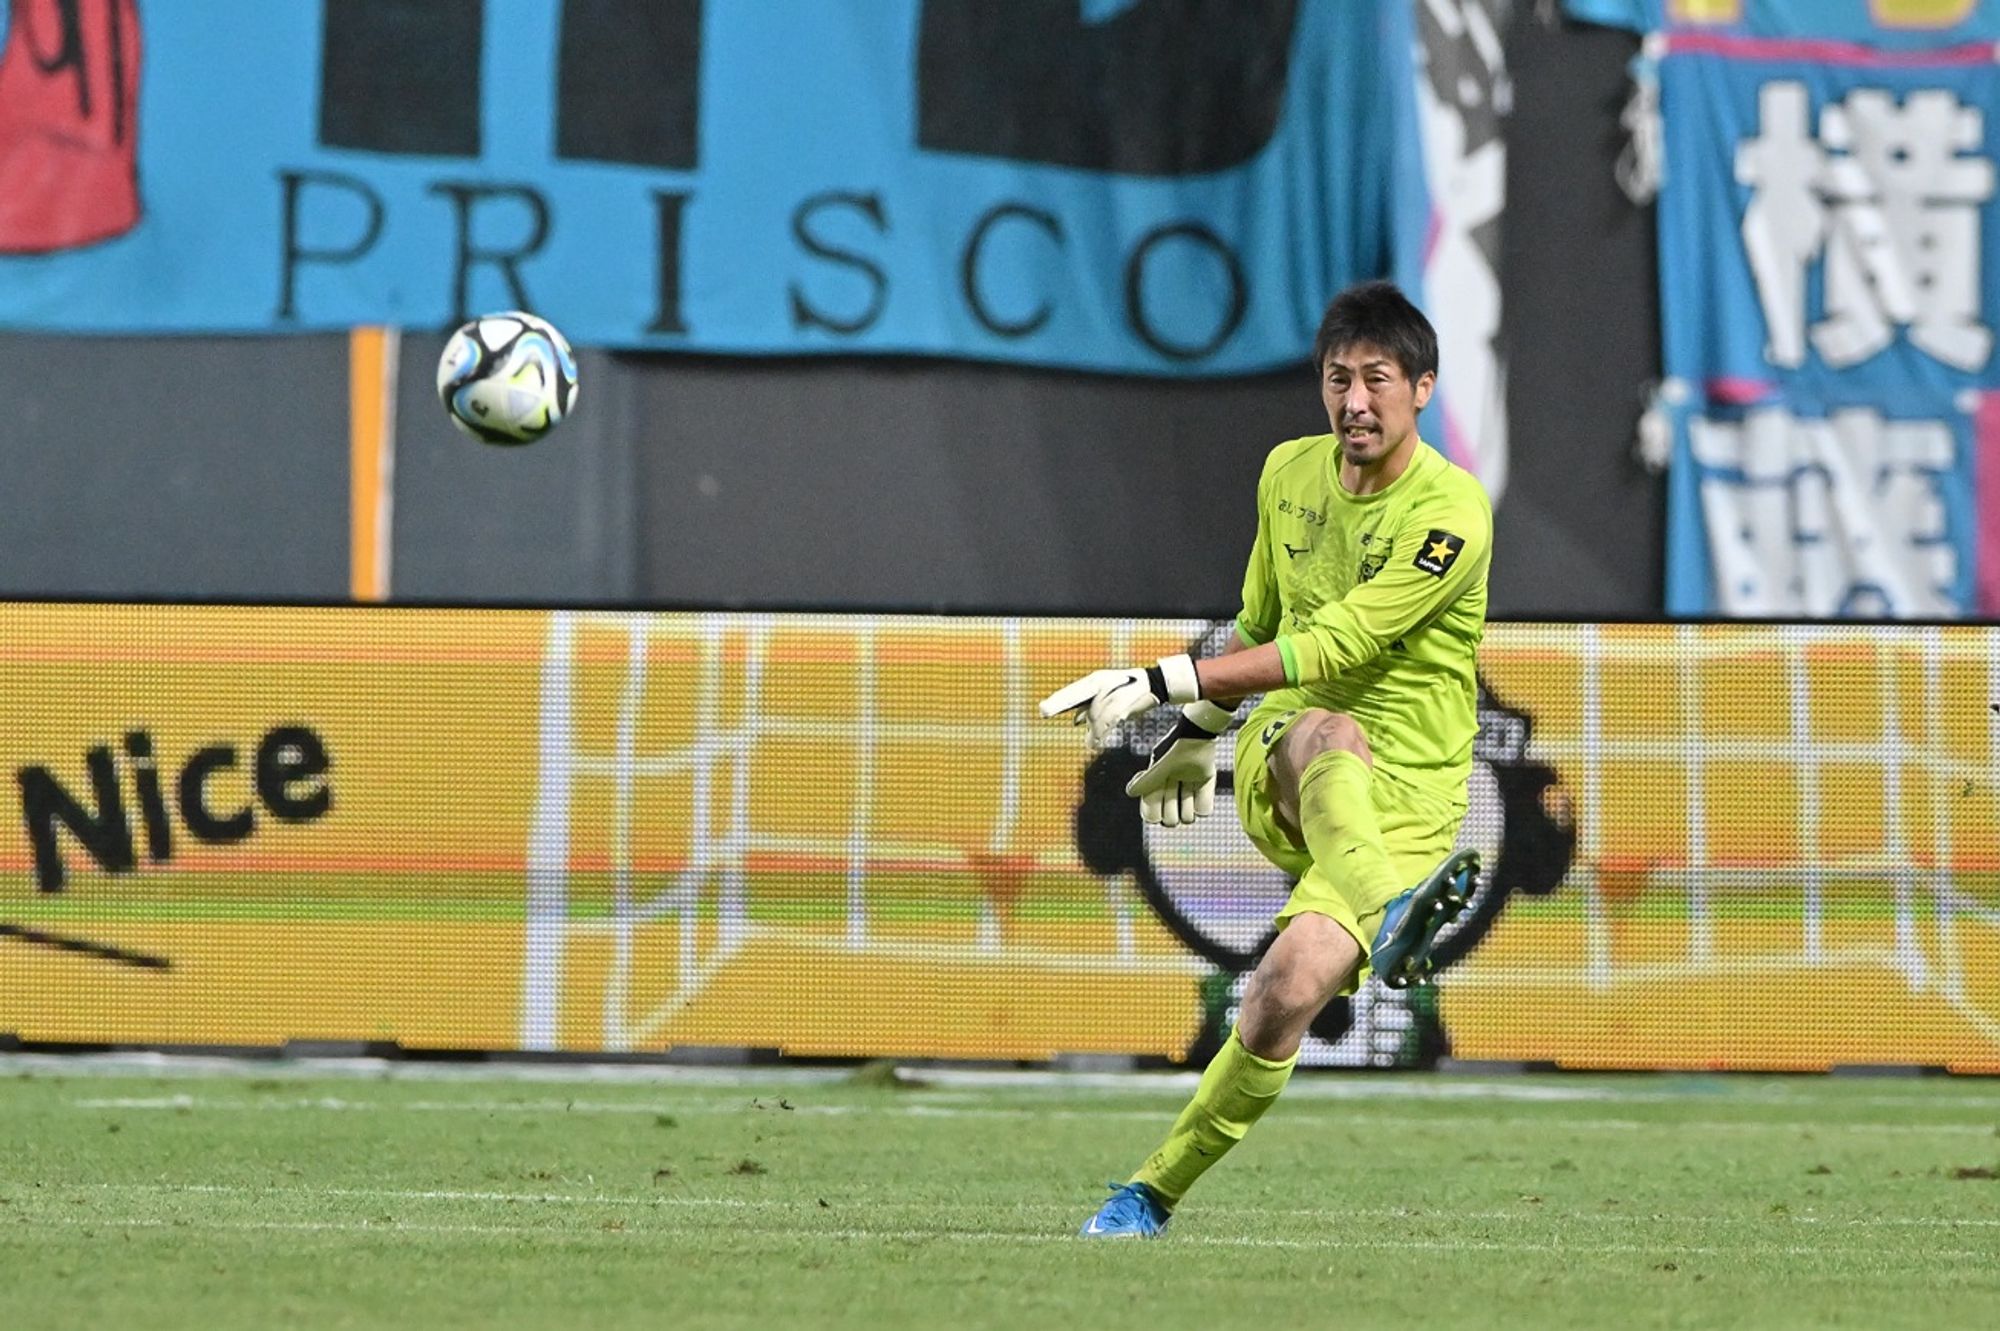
(507, 378)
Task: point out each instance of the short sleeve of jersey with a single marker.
(1445, 544)
(1262, 613)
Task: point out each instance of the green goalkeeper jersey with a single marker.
(1377, 602)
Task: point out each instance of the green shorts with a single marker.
(1419, 829)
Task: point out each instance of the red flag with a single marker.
(69, 106)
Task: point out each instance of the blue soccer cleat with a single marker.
(1411, 923)
(1134, 1212)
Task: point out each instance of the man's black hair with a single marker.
(1377, 312)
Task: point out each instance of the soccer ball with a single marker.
(507, 378)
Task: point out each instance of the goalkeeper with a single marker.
(1363, 606)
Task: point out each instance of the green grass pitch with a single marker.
(256, 1195)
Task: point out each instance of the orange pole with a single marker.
(371, 437)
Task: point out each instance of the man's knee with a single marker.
(1315, 733)
(1300, 989)
(1304, 968)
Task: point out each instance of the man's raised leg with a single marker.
(1306, 965)
(1315, 958)
(1335, 814)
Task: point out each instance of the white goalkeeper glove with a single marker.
(1178, 785)
(1103, 698)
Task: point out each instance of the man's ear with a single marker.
(1426, 383)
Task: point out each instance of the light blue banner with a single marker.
(1150, 186)
(1830, 269)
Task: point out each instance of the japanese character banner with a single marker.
(1827, 230)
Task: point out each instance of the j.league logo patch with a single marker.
(1438, 551)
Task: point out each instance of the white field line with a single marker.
(625, 746)
(921, 953)
(548, 838)
(1910, 960)
(1812, 886)
(732, 895)
(1327, 1243)
(1751, 640)
(979, 628)
(1701, 925)
(692, 985)
(1165, 963)
(697, 982)
(1802, 1092)
(1474, 975)
(862, 810)
(1750, 748)
(1014, 731)
(158, 1066)
(1967, 643)
(1974, 1017)
(1339, 1214)
(333, 1104)
(1963, 904)
(1590, 837)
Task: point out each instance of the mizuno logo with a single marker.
(1296, 551)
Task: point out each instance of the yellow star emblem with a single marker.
(1440, 551)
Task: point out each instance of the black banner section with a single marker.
(628, 82)
(402, 76)
(1165, 88)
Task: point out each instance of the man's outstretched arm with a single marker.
(1105, 698)
(1178, 783)
(1241, 670)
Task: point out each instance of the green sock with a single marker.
(1234, 1093)
(1337, 816)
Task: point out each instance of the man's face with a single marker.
(1370, 402)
